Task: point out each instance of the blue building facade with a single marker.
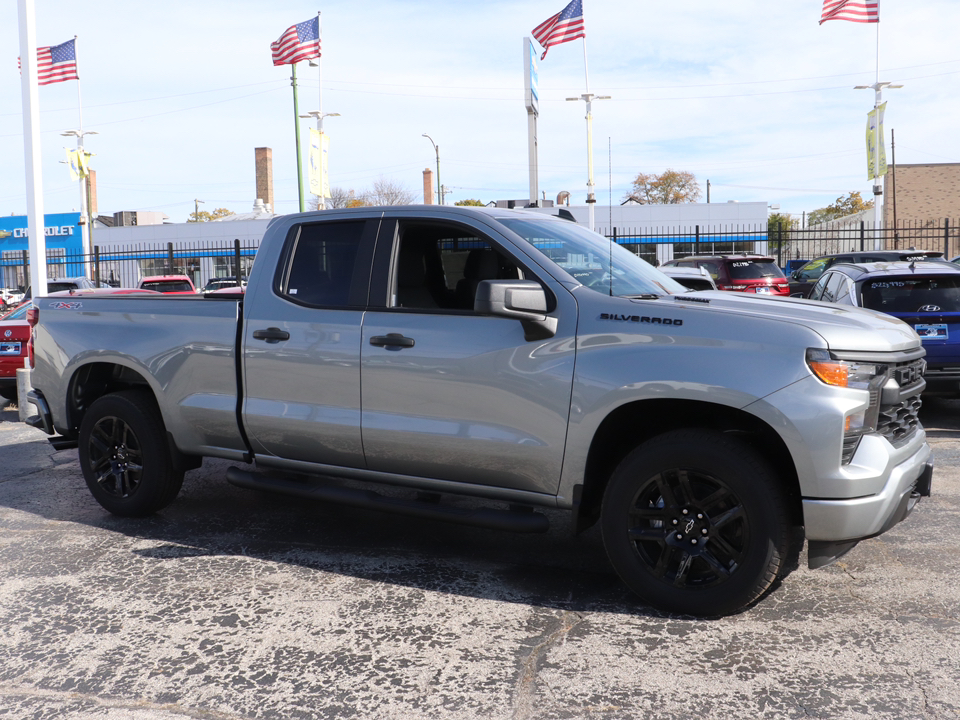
(64, 239)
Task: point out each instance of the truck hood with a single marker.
(842, 327)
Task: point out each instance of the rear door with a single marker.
(451, 394)
(301, 346)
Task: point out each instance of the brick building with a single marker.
(925, 193)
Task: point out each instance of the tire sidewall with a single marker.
(745, 474)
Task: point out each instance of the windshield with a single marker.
(592, 260)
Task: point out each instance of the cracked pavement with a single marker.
(234, 604)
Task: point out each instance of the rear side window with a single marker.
(323, 264)
(753, 269)
(907, 294)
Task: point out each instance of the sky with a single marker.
(754, 96)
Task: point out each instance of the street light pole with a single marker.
(86, 228)
(320, 115)
(436, 149)
(588, 98)
(877, 87)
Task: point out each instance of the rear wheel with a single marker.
(694, 522)
(124, 455)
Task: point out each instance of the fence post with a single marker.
(696, 242)
(780, 243)
(863, 234)
(236, 256)
(169, 258)
(96, 265)
(946, 238)
(25, 257)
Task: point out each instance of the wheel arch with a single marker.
(94, 380)
(633, 423)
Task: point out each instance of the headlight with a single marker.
(844, 373)
(856, 375)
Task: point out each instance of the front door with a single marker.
(451, 394)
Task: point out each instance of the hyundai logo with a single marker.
(929, 308)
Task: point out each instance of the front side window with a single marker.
(439, 266)
(814, 269)
(592, 260)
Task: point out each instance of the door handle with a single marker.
(392, 340)
(271, 335)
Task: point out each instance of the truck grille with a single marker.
(898, 423)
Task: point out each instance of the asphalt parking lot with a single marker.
(232, 604)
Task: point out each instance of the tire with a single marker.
(125, 457)
(9, 393)
(695, 522)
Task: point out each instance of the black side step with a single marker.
(61, 443)
(510, 520)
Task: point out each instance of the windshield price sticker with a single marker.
(741, 264)
(932, 332)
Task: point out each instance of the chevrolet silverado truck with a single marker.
(516, 358)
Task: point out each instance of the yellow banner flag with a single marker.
(875, 144)
(73, 164)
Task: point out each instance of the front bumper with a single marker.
(833, 527)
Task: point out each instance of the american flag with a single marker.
(56, 63)
(299, 42)
(864, 11)
(563, 27)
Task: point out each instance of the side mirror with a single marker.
(523, 300)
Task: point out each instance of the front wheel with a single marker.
(125, 457)
(694, 522)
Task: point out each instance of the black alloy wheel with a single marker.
(124, 455)
(695, 522)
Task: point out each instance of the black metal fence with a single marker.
(200, 261)
(789, 244)
(203, 261)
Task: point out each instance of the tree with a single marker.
(390, 192)
(670, 187)
(204, 216)
(843, 206)
(469, 203)
(339, 198)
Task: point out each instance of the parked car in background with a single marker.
(55, 285)
(924, 294)
(10, 298)
(695, 278)
(806, 277)
(14, 339)
(168, 284)
(741, 273)
(220, 283)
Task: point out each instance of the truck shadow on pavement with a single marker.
(212, 518)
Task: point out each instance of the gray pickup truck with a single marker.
(511, 357)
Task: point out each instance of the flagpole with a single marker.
(31, 149)
(296, 122)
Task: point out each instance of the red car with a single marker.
(14, 341)
(15, 345)
(169, 284)
(741, 273)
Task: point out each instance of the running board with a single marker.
(520, 521)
